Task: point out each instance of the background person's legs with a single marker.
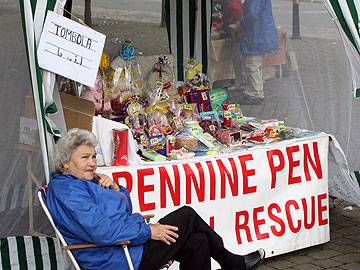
(252, 74)
(239, 83)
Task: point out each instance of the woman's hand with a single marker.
(106, 182)
(164, 233)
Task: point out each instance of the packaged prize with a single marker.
(190, 143)
(162, 72)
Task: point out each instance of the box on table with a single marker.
(78, 112)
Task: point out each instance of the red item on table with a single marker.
(170, 144)
(201, 98)
(120, 143)
(227, 115)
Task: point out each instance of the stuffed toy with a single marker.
(97, 94)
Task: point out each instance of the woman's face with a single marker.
(82, 163)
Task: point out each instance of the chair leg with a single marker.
(128, 258)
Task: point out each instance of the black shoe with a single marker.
(248, 100)
(254, 259)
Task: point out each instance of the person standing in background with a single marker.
(233, 10)
(258, 37)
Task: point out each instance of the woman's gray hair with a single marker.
(67, 144)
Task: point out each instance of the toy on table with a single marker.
(158, 118)
(196, 87)
(152, 155)
(163, 73)
(188, 142)
(170, 144)
(194, 129)
(125, 77)
(210, 122)
(189, 112)
(174, 113)
(135, 118)
(181, 154)
(217, 97)
(227, 116)
(157, 94)
(233, 139)
(100, 94)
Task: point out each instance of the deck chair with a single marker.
(42, 193)
(30, 252)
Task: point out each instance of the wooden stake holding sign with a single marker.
(70, 49)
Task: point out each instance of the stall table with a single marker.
(273, 196)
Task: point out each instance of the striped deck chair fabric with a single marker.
(188, 24)
(30, 252)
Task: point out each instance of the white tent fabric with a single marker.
(346, 15)
(43, 82)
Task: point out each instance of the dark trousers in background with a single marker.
(68, 7)
(197, 242)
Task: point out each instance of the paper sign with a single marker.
(70, 49)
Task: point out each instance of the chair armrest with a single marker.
(126, 243)
(148, 216)
(78, 246)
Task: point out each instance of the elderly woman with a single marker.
(88, 207)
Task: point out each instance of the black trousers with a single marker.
(197, 242)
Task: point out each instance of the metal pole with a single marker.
(87, 13)
(296, 20)
(163, 21)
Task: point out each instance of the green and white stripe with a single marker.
(356, 176)
(30, 252)
(33, 14)
(188, 24)
(346, 14)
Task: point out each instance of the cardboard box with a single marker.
(78, 112)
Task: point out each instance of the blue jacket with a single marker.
(258, 30)
(84, 212)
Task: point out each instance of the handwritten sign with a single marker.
(70, 49)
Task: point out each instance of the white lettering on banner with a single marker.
(70, 49)
(275, 198)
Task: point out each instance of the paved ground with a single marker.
(305, 97)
